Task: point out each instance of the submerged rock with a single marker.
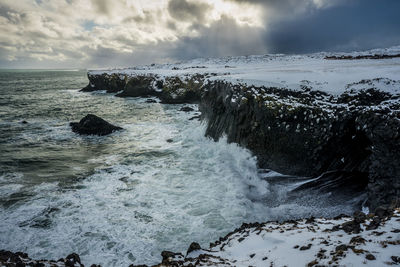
(93, 125)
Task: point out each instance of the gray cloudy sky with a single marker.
(115, 33)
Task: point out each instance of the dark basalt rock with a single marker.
(352, 148)
(110, 83)
(93, 125)
(138, 86)
(20, 259)
(186, 109)
(151, 100)
(349, 57)
(193, 247)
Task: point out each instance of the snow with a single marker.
(285, 71)
(303, 243)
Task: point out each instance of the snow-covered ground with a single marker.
(311, 242)
(282, 71)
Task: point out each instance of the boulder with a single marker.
(93, 125)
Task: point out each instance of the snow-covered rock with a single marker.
(362, 240)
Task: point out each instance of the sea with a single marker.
(122, 199)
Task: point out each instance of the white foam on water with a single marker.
(155, 196)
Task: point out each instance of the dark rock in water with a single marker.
(186, 109)
(168, 255)
(72, 259)
(151, 101)
(20, 259)
(170, 140)
(24, 122)
(195, 117)
(93, 125)
(193, 247)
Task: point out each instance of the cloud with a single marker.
(102, 33)
(188, 11)
(222, 38)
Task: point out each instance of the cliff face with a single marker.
(348, 138)
(309, 133)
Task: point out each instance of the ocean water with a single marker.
(123, 198)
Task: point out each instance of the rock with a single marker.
(395, 259)
(93, 125)
(72, 259)
(357, 240)
(195, 117)
(170, 140)
(306, 247)
(382, 212)
(194, 246)
(24, 122)
(167, 254)
(352, 227)
(374, 224)
(186, 109)
(151, 100)
(359, 217)
(370, 257)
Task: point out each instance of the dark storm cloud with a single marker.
(364, 24)
(222, 38)
(189, 11)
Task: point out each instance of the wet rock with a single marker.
(24, 122)
(72, 259)
(194, 246)
(151, 100)
(93, 125)
(186, 109)
(170, 140)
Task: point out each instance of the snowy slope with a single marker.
(312, 242)
(283, 71)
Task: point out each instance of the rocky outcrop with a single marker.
(350, 141)
(371, 240)
(350, 57)
(20, 259)
(171, 90)
(93, 125)
(362, 239)
(354, 136)
(110, 83)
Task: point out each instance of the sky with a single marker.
(122, 33)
